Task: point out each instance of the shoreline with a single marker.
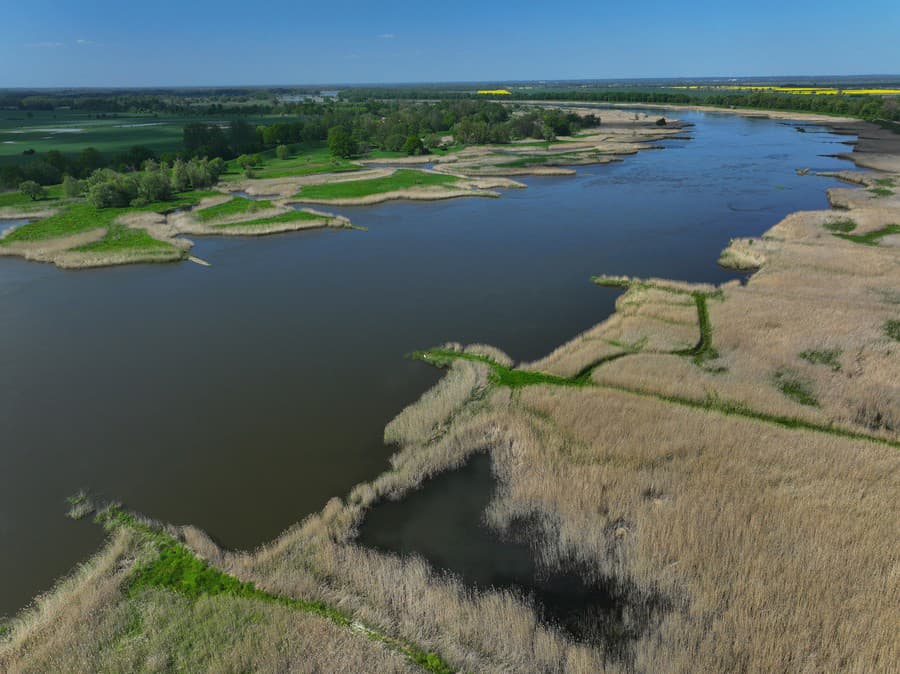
(474, 171)
(466, 412)
(744, 112)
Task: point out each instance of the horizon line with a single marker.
(408, 83)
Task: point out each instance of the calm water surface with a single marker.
(240, 397)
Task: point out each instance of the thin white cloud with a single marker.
(386, 36)
(83, 42)
(46, 45)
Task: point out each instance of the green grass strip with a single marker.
(871, 238)
(74, 220)
(703, 350)
(290, 216)
(235, 206)
(881, 191)
(179, 570)
(399, 180)
(120, 238)
(513, 378)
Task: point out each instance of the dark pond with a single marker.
(443, 522)
(240, 397)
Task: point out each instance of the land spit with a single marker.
(166, 231)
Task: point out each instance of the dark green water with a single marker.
(242, 396)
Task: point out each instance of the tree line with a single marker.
(410, 128)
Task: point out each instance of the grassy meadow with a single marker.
(402, 179)
(72, 131)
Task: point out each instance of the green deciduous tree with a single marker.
(32, 190)
(414, 145)
(340, 142)
(72, 187)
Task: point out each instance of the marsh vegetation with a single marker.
(664, 453)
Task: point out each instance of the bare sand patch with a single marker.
(10, 213)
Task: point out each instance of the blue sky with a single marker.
(197, 42)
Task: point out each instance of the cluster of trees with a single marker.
(412, 128)
(349, 129)
(214, 140)
(50, 167)
(156, 181)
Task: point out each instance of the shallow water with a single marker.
(240, 397)
(10, 224)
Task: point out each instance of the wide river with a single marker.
(242, 396)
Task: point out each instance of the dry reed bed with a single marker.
(774, 546)
(90, 623)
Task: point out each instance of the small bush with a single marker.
(795, 388)
(892, 329)
(829, 357)
(72, 187)
(32, 190)
(843, 225)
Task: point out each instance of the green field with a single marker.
(16, 199)
(290, 216)
(110, 133)
(121, 238)
(236, 206)
(304, 160)
(400, 180)
(80, 216)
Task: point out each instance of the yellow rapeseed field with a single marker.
(818, 91)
